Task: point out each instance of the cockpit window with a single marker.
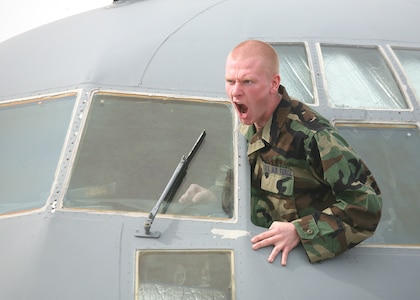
(32, 134)
(295, 72)
(391, 152)
(131, 146)
(185, 274)
(410, 60)
(360, 78)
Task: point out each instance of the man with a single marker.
(307, 184)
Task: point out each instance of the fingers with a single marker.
(195, 194)
(282, 236)
(262, 240)
(273, 255)
(203, 195)
(284, 252)
(189, 194)
(277, 249)
(284, 255)
(198, 197)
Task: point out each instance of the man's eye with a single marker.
(247, 81)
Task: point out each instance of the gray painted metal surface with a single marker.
(168, 47)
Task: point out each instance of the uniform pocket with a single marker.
(278, 180)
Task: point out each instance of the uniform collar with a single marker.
(256, 140)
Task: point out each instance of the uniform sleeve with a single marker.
(356, 212)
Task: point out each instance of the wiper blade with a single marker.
(170, 189)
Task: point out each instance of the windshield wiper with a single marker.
(170, 189)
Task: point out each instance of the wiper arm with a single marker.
(170, 189)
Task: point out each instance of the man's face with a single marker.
(249, 87)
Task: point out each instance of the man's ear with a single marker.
(275, 83)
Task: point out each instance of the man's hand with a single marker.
(282, 235)
(196, 193)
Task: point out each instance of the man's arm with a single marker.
(356, 213)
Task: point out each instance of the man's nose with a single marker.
(236, 90)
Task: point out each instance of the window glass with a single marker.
(410, 60)
(131, 146)
(360, 78)
(294, 71)
(187, 274)
(392, 155)
(32, 135)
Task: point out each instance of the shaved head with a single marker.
(257, 49)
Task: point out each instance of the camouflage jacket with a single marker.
(304, 172)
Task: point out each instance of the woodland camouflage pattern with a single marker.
(304, 172)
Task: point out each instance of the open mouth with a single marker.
(241, 108)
